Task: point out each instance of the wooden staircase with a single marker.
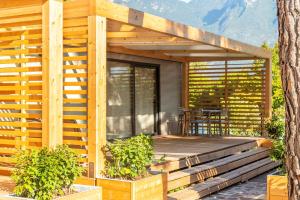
(201, 175)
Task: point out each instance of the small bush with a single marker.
(278, 152)
(276, 126)
(44, 174)
(129, 158)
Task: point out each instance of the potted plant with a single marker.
(49, 174)
(277, 184)
(127, 174)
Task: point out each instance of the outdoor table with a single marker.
(205, 116)
(213, 115)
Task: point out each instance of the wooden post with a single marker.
(268, 95)
(268, 86)
(185, 85)
(23, 100)
(226, 99)
(52, 62)
(185, 95)
(96, 94)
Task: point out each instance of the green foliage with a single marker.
(130, 158)
(278, 150)
(276, 126)
(278, 153)
(44, 174)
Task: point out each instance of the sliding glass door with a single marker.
(145, 100)
(132, 99)
(119, 100)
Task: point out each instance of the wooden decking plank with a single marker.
(210, 186)
(204, 157)
(202, 172)
(215, 163)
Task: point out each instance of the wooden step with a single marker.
(173, 165)
(211, 169)
(5, 171)
(210, 186)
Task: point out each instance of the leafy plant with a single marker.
(276, 126)
(130, 158)
(45, 173)
(278, 152)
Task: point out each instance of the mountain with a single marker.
(251, 21)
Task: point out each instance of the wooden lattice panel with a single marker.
(75, 83)
(20, 81)
(237, 87)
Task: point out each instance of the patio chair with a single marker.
(182, 121)
(197, 121)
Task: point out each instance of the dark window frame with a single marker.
(157, 107)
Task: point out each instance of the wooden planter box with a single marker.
(85, 193)
(277, 188)
(150, 188)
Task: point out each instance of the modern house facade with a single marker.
(81, 72)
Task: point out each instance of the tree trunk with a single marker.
(289, 52)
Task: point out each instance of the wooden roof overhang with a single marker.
(131, 31)
(134, 32)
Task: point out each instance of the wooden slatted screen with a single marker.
(75, 79)
(235, 87)
(20, 81)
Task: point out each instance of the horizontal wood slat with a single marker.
(75, 81)
(20, 81)
(238, 87)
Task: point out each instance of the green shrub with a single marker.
(130, 158)
(44, 174)
(278, 152)
(276, 126)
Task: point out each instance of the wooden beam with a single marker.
(96, 94)
(208, 59)
(148, 54)
(20, 3)
(194, 51)
(209, 55)
(76, 8)
(113, 25)
(175, 47)
(268, 86)
(154, 23)
(134, 34)
(157, 40)
(52, 62)
(148, 42)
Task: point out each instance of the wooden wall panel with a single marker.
(20, 81)
(238, 87)
(75, 48)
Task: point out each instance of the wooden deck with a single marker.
(199, 166)
(176, 148)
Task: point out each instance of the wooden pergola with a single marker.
(53, 57)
